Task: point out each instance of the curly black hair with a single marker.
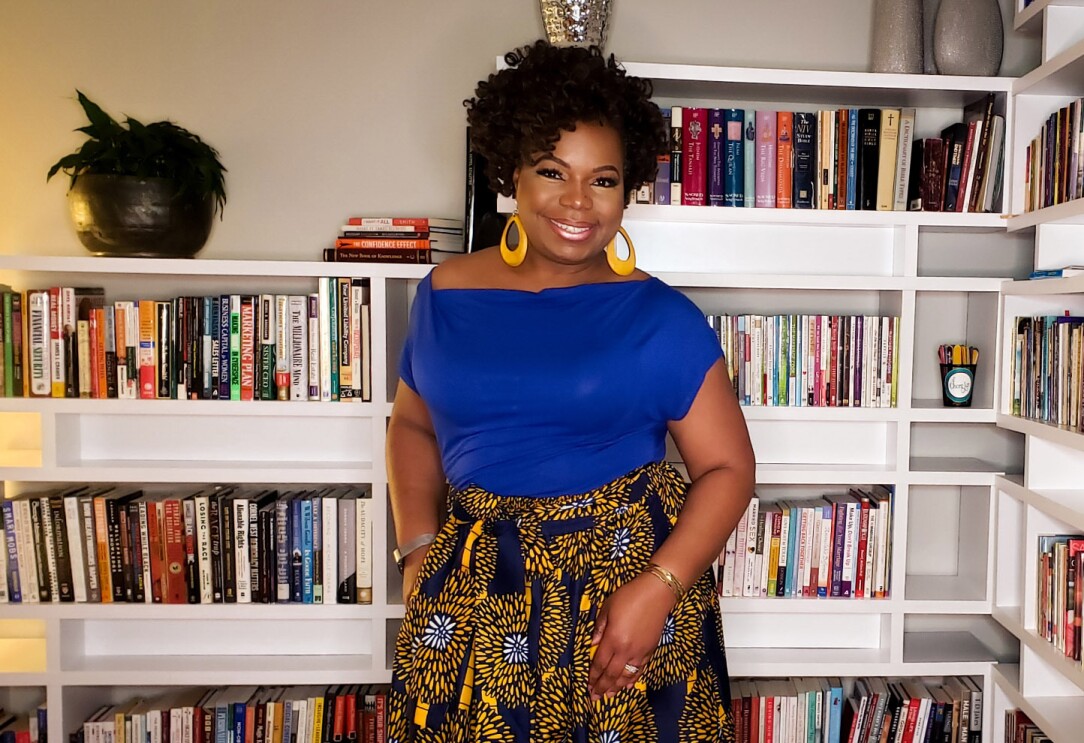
(547, 89)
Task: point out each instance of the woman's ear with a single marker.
(515, 180)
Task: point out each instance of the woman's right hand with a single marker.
(411, 565)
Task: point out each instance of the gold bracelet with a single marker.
(668, 578)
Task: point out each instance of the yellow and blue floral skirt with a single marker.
(495, 645)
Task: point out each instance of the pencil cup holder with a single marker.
(957, 383)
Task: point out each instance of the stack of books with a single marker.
(395, 239)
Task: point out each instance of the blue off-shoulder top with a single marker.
(555, 392)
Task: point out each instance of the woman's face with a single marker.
(571, 200)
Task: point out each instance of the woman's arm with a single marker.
(714, 443)
(416, 482)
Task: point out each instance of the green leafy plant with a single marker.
(158, 150)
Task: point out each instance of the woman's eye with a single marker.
(606, 182)
(548, 173)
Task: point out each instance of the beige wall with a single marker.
(329, 108)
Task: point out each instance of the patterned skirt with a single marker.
(495, 645)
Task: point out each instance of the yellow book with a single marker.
(886, 163)
(147, 356)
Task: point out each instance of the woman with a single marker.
(568, 594)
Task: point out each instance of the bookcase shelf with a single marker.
(1046, 431)
(1030, 19)
(1061, 718)
(1061, 75)
(1010, 617)
(919, 266)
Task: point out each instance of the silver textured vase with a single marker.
(896, 45)
(968, 37)
(576, 22)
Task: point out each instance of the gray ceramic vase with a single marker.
(896, 45)
(968, 37)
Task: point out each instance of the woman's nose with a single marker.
(576, 196)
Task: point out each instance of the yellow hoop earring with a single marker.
(621, 266)
(514, 257)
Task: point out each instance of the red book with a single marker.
(95, 325)
(173, 538)
(833, 357)
(963, 195)
(156, 549)
(694, 181)
(863, 544)
(248, 347)
(56, 343)
(383, 243)
(422, 223)
(784, 151)
(381, 717)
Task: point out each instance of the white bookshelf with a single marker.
(1046, 498)
(941, 273)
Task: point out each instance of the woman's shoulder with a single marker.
(467, 271)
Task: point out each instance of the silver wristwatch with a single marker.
(399, 554)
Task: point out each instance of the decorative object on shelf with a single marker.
(957, 374)
(142, 190)
(968, 37)
(897, 36)
(576, 22)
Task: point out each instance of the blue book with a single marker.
(792, 548)
(835, 712)
(15, 594)
(222, 721)
(805, 137)
(318, 557)
(734, 174)
(288, 731)
(750, 161)
(306, 550)
(852, 157)
(295, 550)
(333, 314)
(239, 709)
(716, 157)
(224, 347)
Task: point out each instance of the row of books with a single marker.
(1054, 168)
(221, 544)
(24, 728)
(395, 239)
(1019, 728)
(1048, 369)
(847, 158)
(71, 342)
(837, 546)
(811, 360)
(245, 714)
(878, 710)
(1061, 592)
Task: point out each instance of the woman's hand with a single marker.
(411, 565)
(627, 632)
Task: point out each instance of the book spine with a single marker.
(805, 135)
(313, 318)
(717, 156)
(677, 161)
(765, 158)
(299, 351)
(282, 550)
(784, 158)
(38, 344)
(166, 382)
(346, 371)
(56, 344)
(234, 347)
(267, 347)
(248, 347)
(363, 546)
(694, 157)
(15, 585)
(749, 132)
(905, 143)
(734, 187)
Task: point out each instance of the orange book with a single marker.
(784, 159)
(99, 355)
(384, 243)
(120, 318)
(148, 354)
(101, 542)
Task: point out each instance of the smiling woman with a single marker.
(559, 589)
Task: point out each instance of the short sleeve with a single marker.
(690, 348)
(417, 311)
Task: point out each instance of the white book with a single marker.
(325, 340)
(24, 540)
(824, 565)
(299, 347)
(741, 532)
(145, 514)
(726, 579)
(750, 576)
(871, 549)
(38, 344)
(314, 346)
(364, 536)
(50, 549)
(242, 562)
(329, 513)
(848, 549)
(203, 547)
(255, 564)
(903, 158)
(73, 524)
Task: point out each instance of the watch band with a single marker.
(400, 553)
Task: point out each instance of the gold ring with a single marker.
(631, 669)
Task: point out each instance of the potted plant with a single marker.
(148, 190)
